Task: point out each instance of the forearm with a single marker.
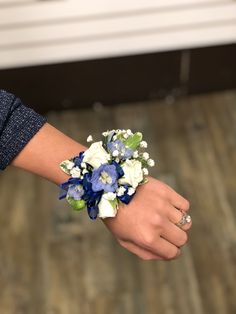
(44, 152)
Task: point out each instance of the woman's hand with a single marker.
(147, 225)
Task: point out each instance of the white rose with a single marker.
(96, 155)
(105, 207)
(133, 173)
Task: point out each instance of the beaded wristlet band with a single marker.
(107, 173)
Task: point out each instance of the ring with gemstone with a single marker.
(184, 220)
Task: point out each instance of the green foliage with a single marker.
(63, 166)
(133, 141)
(77, 205)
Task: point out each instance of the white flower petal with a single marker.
(69, 164)
(89, 138)
(96, 155)
(120, 191)
(143, 144)
(145, 156)
(110, 196)
(133, 173)
(131, 191)
(105, 208)
(115, 153)
(75, 172)
(151, 163)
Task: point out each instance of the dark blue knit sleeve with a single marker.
(18, 124)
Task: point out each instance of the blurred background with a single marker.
(166, 68)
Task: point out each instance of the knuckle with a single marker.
(149, 240)
(158, 221)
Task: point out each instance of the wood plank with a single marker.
(54, 260)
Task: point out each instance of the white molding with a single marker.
(114, 35)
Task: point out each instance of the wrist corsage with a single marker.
(107, 173)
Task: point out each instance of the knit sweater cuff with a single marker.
(21, 125)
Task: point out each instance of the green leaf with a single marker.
(77, 205)
(114, 203)
(63, 166)
(133, 141)
(145, 180)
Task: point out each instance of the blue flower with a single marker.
(75, 191)
(91, 197)
(104, 178)
(66, 185)
(119, 146)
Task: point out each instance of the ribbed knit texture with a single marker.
(18, 124)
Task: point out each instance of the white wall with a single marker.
(40, 32)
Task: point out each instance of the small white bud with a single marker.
(75, 172)
(83, 165)
(126, 135)
(115, 153)
(105, 134)
(145, 171)
(131, 191)
(151, 163)
(145, 156)
(143, 144)
(89, 138)
(120, 191)
(135, 154)
(117, 160)
(129, 132)
(69, 164)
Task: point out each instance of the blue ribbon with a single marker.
(119, 170)
(78, 159)
(126, 198)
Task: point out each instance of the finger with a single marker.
(175, 216)
(162, 247)
(174, 234)
(140, 252)
(178, 201)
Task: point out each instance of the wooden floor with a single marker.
(55, 261)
